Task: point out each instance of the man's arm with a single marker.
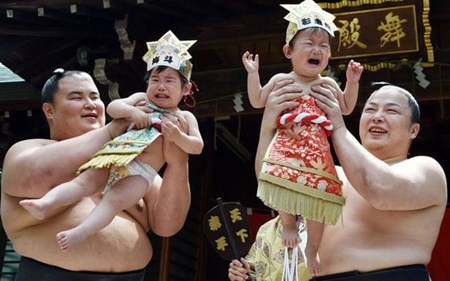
(33, 167)
(411, 184)
(131, 108)
(169, 199)
(122, 108)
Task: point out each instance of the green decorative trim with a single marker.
(114, 141)
(357, 3)
(300, 188)
(119, 152)
(427, 34)
(305, 169)
(295, 203)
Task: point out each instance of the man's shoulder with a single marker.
(17, 158)
(427, 174)
(139, 95)
(30, 143)
(422, 162)
(26, 145)
(431, 167)
(135, 98)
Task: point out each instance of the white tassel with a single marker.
(290, 270)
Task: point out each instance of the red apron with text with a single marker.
(298, 175)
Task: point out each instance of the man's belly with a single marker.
(123, 245)
(368, 254)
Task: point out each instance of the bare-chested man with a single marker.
(394, 204)
(120, 251)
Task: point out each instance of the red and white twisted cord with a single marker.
(304, 118)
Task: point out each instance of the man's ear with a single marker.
(287, 51)
(415, 128)
(48, 110)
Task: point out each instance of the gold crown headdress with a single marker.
(307, 14)
(169, 51)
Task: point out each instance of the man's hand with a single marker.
(172, 152)
(170, 128)
(117, 127)
(282, 97)
(142, 106)
(239, 270)
(139, 115)
(327, 101)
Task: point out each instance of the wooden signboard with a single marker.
(375, 32)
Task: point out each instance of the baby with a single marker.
(298, 176)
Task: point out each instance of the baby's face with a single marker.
(310, 51)
(165, 88)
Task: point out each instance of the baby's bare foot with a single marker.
(291, 238)
(35, 208)
(68, 239)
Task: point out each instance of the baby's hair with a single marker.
(160, 68)
(315, 29)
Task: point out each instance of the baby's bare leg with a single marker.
(314, 231)
(122, 195)
(291, 237)
(66, 193)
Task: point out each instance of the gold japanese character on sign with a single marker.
(235, 215)
(349, 34)
(214, 223)
(393, 29)
(221, 243)
(242, 233)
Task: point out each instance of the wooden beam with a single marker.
(58, 16)
(25, 17)
(54, 32)
(91, 12)
(20, 105)
(156, 8)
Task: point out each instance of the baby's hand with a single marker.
(142, 106)
(140, 119)
(354, 71)
(170, 131)
(251, 63)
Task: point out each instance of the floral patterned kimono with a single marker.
(266, 256)
(298, 175)
(120, 151)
